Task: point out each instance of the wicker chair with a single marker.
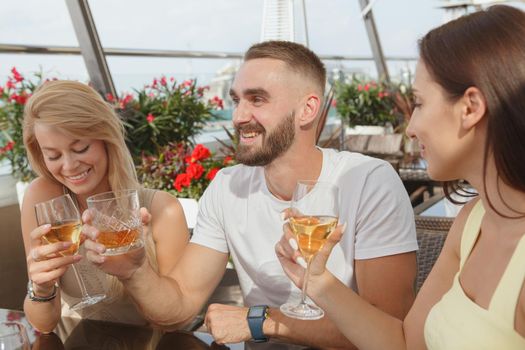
(431, 234)
(430, 244)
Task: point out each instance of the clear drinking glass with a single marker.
(315, 213)
(66, 226)
(117, 217)
(13, 336)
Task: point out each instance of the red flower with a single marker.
(359, 87)
(367, 87)
(217, 102)
(195, 170)
(211, 174)
(110, 98)
(200, 152)
(125, 100)
(150, 118)
(182, 180)
(227, 160)
(14, 316)
(20, 99)
(9, 145)
(1, 90)
(9, 84)
(163, 81)
(17, 76)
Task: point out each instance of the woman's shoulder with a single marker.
(164, 201)
(42, 189)
(456, 230)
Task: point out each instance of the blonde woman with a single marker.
(75, 143)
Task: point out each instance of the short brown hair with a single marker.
(297, 57)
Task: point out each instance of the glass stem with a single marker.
(305, 282)
(83, 289)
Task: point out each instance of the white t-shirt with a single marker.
(239, 215)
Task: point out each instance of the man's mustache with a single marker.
(252, 127)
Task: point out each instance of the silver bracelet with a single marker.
(31, 293)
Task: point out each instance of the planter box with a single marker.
(366, 130)
(7, 189)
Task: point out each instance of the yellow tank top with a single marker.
(456, 322)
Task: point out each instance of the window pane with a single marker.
(208, 25)
(335, 28)
(53, 66)
(36, 22)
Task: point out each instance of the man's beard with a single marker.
(274, 144)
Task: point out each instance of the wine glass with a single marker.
(315, 213)
(13, 336)
(66, 226)
(116, 214)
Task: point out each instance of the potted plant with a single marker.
(181, 169)
(164, 112)
(365, 103)
(13, 96)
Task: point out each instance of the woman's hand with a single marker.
(121, 266)
(292, 261)
(45, 263)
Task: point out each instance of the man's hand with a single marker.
(227, 324)
(121, 266)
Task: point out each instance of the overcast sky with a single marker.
(334, 27)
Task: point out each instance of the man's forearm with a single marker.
(319, 334)
(159, 298)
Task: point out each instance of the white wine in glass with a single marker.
(66, 226)
(315, 213)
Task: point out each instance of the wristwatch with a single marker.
(31, 293)
(256, 316)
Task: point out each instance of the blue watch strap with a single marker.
(256, 316)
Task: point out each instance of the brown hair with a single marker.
(297, 57)
(486, 49)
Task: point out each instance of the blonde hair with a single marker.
(80, 112)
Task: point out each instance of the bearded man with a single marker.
(278, 93)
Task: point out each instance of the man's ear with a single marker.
(474, 107)
(311, 108)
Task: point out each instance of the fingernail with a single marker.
(46, 226)
(67, 244)
(293, 244)
(300, 260)
(77, 257)
(101, 249)
(283, 216)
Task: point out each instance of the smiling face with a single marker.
(437, 124)
(79, 164)
(264, 115)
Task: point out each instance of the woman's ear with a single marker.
(474, 107)
(310, 110)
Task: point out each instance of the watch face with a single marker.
(257, 311)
